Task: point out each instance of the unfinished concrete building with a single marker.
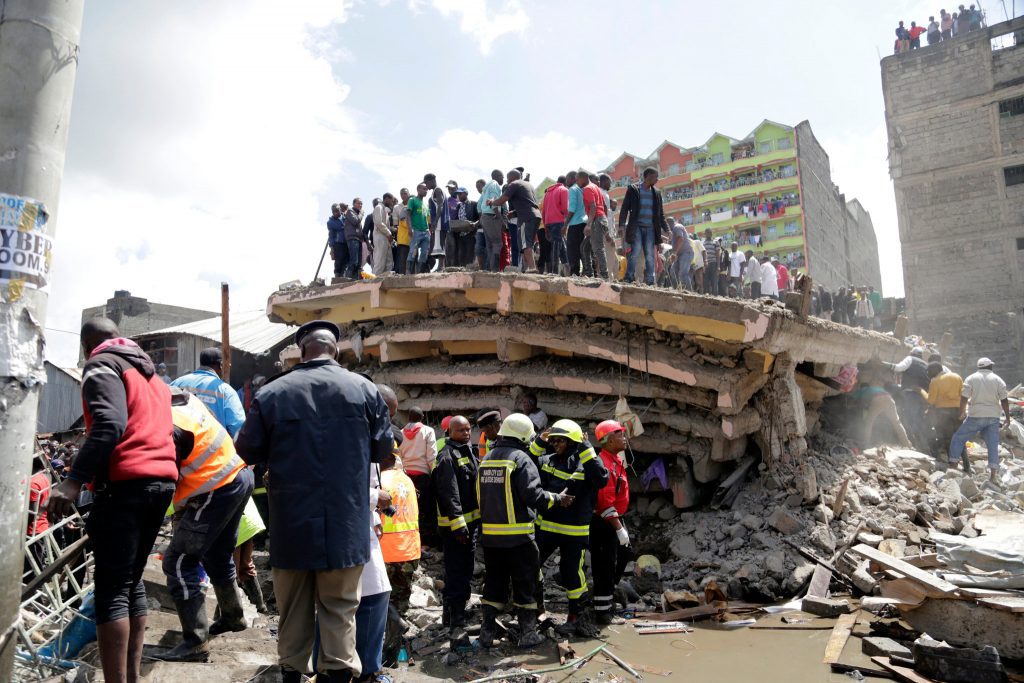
(955, 118)
(713, 380)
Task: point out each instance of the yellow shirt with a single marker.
(403, 232)
(944, 390)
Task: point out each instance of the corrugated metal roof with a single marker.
(250, 332)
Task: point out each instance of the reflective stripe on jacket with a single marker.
(508, 489)
(401, 539)
(581, 474)
(454, 480)
(213, 461)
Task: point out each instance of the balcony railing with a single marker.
(725, 184)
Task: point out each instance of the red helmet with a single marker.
(607, 427)
(445, 422)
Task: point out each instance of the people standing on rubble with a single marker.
(682, 254)
(400, 227)
(642, 224)
(458, 518)
(914, 381)
(609, 539)
(522, 199)
(129, 458)
(418, 452)
(419, 225)
(982, 396)
(383, 258)
(596, 229)
(752, 274)
(943, 408)
(317, 427)
(439, 221)
(491, 221)
(510, 494)
(336, 239)
(567, 463)
(946, 24)
(769, 279)
(213, 487)
(353, 221)
(217, 395)
(877, 403)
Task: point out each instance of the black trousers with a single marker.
(458, 564)
(944, 423)
(428, 507)
(544, 264)
(575, 247)
(123, 525)
(517, 565)
(607, 561)
(912, 417)
(572, 551)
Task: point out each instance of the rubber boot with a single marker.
(457, 636)
(489, 626)
(252, 590)
(585, 626)
(194, 631)
(446, 614)
(334, 676)
(529, 635)
(231, 618)
(291, 676)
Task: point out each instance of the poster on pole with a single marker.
(25, 248)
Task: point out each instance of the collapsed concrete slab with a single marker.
(710, 378)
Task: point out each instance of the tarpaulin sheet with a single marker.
(991, 560)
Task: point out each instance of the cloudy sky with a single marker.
(209, 139)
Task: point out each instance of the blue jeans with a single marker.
(989, 429)
(643, 239)
(419, 250)
(355, 258)
(371, 619)
(681, 270)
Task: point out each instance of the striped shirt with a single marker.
(645, 218)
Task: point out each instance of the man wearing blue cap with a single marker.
(317, 428)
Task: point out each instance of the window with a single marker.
(1012, 107)
(791, 227)
(1020, 244)
(673, 169)
(1014, 175)
(771, 232)
(783, 143)
(787, 171)
(766, 146)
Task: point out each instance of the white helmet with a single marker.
(518, 426)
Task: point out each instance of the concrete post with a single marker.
(38, 63)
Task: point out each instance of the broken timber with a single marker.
(714, 380)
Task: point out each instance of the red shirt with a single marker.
(555, 204)
(38, 495)
(616, 492)
(783, 277)
(916, 31)
(592, 196)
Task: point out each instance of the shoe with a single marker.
(334, 676)
(585, 626)
(604, 618)
(291, 676)
(232, 618)
(488, 627)
(457, 637)
(252, 590)
(529, 635)
(194, 630)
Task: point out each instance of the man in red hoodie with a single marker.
(128, 458)
(556, 205)
(418, 452)
(609, 540)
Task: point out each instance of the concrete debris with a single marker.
(825, 607)
(885, 647)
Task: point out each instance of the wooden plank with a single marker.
(840, 634)
(902, 673)
(1005, 604)
(687, 613)
(837, 507)
(819, 582)
(904, 568)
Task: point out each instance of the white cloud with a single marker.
(484, 20)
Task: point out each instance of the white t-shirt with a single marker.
(753, 272)
(736, 260)
(374, 578)
(769, 280)
(985, 391)
(698, 253)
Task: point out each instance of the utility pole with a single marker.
(225, 332)
(38, 64)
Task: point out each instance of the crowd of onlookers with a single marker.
(947, 27)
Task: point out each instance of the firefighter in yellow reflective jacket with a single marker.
(213, 487)
(568, 463)
(508, 490)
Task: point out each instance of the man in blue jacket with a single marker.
(317, 428)
(219, 396)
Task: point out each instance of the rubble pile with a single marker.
(885, 498)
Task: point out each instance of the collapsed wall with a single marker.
(712, 379)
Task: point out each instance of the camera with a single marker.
(389, 511)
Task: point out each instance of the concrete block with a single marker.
(883, 647)
(785, 522)
(825, 607)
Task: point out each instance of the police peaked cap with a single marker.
(315, 325)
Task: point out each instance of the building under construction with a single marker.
(711, 379)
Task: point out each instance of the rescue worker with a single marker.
(458, 519)
(488, 420)
(568, 463)
(399, 541)
(509, 491)
(219, 396)
(213, 487)
(914, 381)
(609, 539)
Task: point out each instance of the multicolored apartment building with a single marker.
(771, 192)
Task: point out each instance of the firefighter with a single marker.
(213, 487)
(609, 539)
(488, 420)
(568, 463)
(509, 492)
(458, 520)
